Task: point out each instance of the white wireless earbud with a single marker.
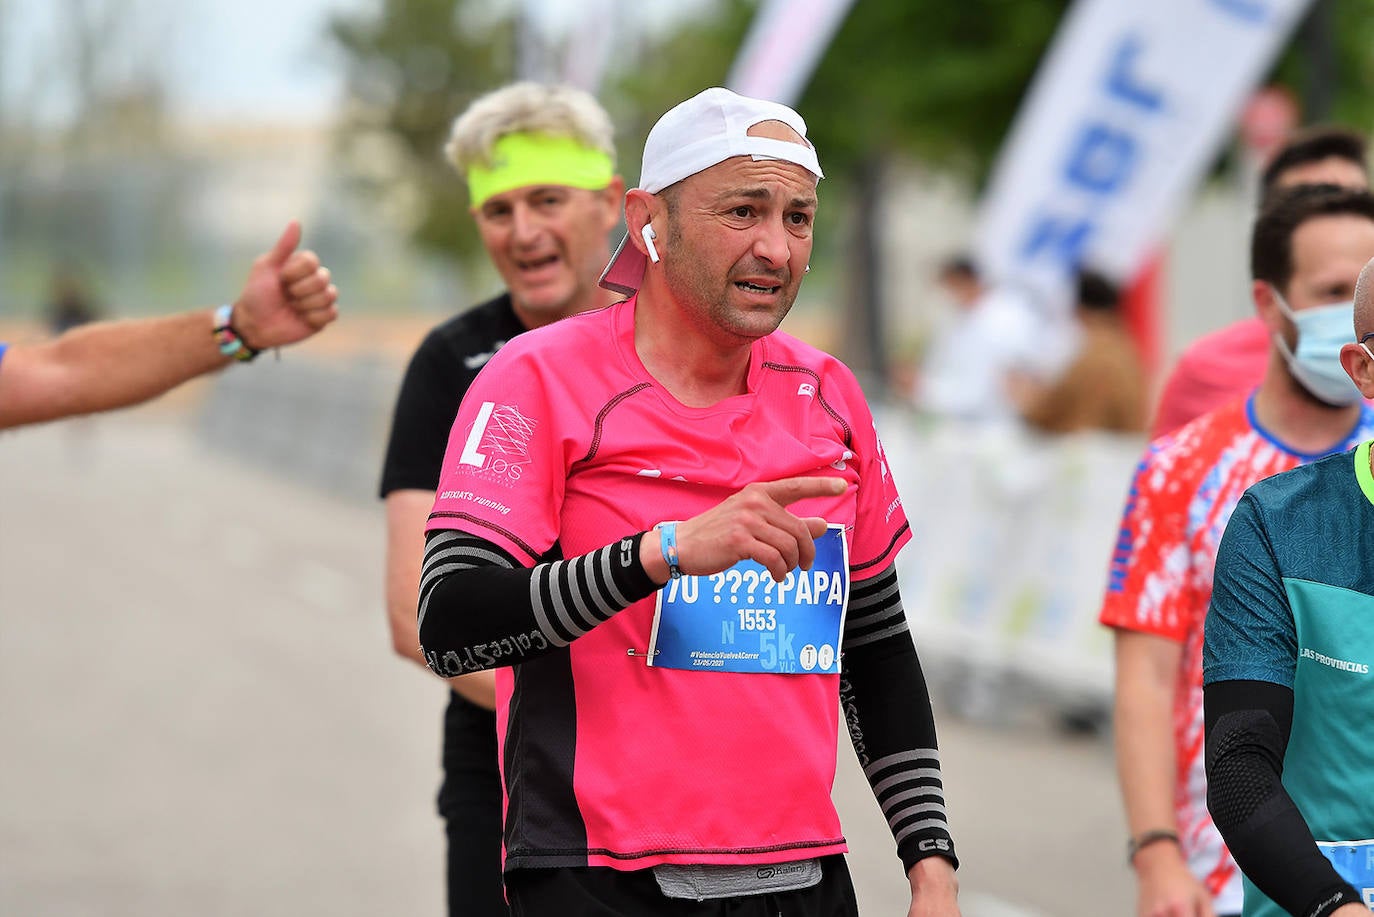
(648, 234)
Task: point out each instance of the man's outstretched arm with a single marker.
(106, 365)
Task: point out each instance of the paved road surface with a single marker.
(199, 713)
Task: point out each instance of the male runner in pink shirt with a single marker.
(673, 528)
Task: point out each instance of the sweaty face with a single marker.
(549, 245)
(739, 242)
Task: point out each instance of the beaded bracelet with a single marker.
(1146, 838)
(230, 342)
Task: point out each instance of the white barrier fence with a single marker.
(1012, 535)
(318, 423)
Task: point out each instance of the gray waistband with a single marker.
(699, 882)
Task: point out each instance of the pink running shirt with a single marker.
(1213, 371)
(565, 444)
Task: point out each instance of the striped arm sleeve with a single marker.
(887, 708)
(479, 609)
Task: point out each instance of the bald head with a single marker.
(775, 130)
(1364, 301)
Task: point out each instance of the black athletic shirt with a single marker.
(443, 367)
(439, 374)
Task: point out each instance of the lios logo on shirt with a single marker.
(743, 621)
(498, 442)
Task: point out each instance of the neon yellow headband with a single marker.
(520, 160)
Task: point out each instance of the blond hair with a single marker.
(526, 107)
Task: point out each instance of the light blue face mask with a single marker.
(1322, 330)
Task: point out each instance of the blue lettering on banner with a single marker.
(1253, 11)
(1102, 159)
(1068, 236)
(1123, 85)
(1100, 163)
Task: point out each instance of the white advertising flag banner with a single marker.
(1129, 107)
(783, 47)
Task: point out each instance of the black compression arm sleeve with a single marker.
(479, 609)
(1248, 724)
(887, 708)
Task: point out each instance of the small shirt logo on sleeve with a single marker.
(498, 442)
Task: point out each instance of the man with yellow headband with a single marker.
(540, 168)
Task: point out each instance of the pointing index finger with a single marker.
(787, 491)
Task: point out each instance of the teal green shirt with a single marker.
(1293, 604)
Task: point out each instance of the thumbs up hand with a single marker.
(287, 297)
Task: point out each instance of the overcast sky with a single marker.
(264, 59)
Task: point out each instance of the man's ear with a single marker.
(1359, 368)
(1267, 307)
(642, 209)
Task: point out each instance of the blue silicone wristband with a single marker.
(667, 543)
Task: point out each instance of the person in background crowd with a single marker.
(1104, 386)
(69, 302)
(1227, 363)
(991, 335)
(539, 163)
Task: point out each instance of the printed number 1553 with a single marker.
(758, 619)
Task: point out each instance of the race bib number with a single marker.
(742, 620)
(1354, 861)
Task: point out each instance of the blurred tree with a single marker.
(665, 69)
(411, 68)
(1329, 66)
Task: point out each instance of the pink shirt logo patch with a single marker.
(498, 442)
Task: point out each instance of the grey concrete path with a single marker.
(200, 715)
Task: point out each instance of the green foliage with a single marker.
(696, 55)
(1351, 67)
(932, 79)
(411, 69)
